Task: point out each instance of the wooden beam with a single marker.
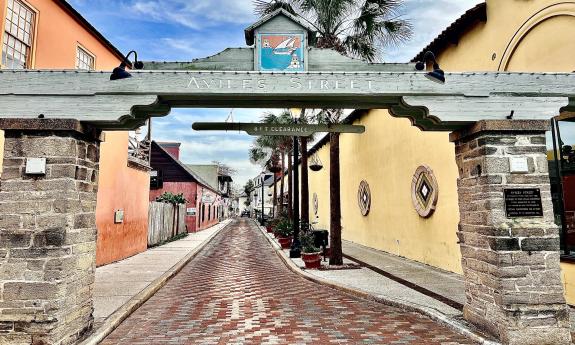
(120, 104)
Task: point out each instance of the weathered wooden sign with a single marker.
(523, 203)
(294, 130)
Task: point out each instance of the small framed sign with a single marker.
(190, 211)
(523, 203)
(119, 217)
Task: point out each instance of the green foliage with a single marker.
(283, 227)
(168, 197)
(359, 28)
(248, 188)
(266, 150)
(307, 243)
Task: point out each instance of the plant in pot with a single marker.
(310, 253)
(271, 224)
(284, 232)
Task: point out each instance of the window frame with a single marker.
(79, 47)
(34, 32)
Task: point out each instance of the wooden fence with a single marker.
(165, 221)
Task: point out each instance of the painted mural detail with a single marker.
(424, 191)
(315, 204)
(364, 198)
(281, 52)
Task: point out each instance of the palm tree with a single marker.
(266, 148)
(358, 28)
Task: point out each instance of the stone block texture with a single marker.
(511, 265)
(47, 238)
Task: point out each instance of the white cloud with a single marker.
(195, 14)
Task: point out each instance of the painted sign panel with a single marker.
(191, 211)
(523, 203)
(281, 52)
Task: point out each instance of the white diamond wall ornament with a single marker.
(424, 191)
(364, 198)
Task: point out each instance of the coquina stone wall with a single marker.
(47, 236)
(511, 265)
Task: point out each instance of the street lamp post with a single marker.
(295, 251)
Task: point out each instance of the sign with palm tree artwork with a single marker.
(281, 52)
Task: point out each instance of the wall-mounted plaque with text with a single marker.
(523, 203)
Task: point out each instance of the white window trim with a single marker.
(87, 51)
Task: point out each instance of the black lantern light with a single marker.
(437, 75)
(315, 163)
(120, 71)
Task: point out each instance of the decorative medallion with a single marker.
(364, 198)
(424, 191)
(315, 204)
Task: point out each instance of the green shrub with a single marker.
(283, 227)
(307, 243)
(168, 197)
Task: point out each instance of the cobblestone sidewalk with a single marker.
(237, 291)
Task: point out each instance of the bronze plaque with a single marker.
(523, 203)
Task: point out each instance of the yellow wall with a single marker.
(386, 156)
(319, 184)
(524, 36)
(519, 36)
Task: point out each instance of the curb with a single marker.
(116, 318)
(433, 314)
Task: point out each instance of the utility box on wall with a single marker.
(119, 217)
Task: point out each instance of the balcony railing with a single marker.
(139, 152)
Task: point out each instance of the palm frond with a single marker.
(262, 7)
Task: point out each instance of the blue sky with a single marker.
(180, 30)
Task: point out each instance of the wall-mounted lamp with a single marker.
(437, 75)
(120, 71)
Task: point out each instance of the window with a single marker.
(84, 60)
(18, 32)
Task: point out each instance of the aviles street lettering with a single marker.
(278, 83)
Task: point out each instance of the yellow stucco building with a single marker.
(510, 35)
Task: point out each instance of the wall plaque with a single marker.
(523, 203)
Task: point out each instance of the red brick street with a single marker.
(237, 291)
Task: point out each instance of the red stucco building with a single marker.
(204, 203)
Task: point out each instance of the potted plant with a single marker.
(284, 232)
(271, 224)
(310, 253)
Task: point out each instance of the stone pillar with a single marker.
(511, 265)
(47, 232)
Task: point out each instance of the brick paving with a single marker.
(237, 291)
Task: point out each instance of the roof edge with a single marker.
(86, 24)
(454, 31)
(249, 31)
(189, 171)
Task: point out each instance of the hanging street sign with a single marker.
(293, 130)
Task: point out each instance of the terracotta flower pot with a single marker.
(311, 260)
(269, 228)
(285, 242)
